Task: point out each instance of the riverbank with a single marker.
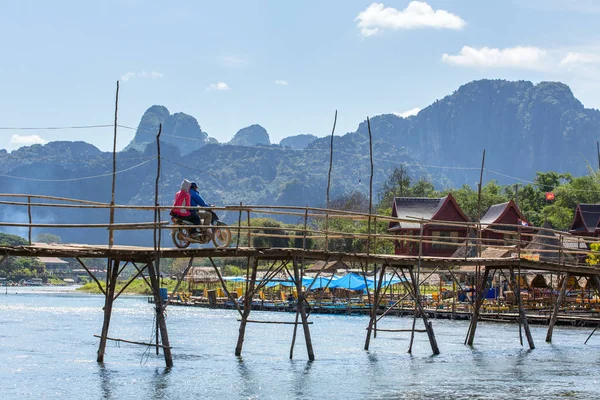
(138, 286)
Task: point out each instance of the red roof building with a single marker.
(586, 220)
(414, 209)
(504, 214)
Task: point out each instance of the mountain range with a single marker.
(524, 128)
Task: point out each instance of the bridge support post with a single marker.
(111, 280)
(302, 311)
(478, 302)
(160, 315)
(413, 291)
(559, 300)
(376, 300)
(522, 315)
(253, 265)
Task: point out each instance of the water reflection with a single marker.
(249, 388)
(301, 381)
(105, 382)
(161, 382)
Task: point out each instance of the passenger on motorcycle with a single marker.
(198, 201)
(182, 199)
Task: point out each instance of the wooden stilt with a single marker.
(376, 300)
(253, 265)
(302, 311)
(559, 300)
(428, 326)
(160, 315)
(111, 280)
(478, 303)
(522, 316)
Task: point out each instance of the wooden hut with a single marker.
(586, 220)
(444, 238)
(504, 214)
(327, 267)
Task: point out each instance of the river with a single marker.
(48, 351)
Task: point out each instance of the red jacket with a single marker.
(182, 198)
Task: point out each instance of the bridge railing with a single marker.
(330, 229)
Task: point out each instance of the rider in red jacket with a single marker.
(182, 201)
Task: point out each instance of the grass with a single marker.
(138, 286)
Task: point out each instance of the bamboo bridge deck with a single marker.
(144, 254)
(312, 240)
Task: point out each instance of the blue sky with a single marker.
(285, 65)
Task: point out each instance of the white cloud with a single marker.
(573, 58)
(408, 113)
(232, 61)
(144, 74)
(218, 86)
(417, 14)
(26, 140)
(525, 57)
(281, 82)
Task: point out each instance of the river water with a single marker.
(48, 351)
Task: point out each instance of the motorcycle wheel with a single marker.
(178, 235)
(221, 236)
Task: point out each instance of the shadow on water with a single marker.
(161, 382)
(301, 376)
(105, 383)
(249, 382)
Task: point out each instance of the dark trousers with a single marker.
(193, 218)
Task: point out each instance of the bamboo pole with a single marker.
(428, 326)
(114, 174)
(91, 275)
(302, 311)
(559, 300)
(180, 279)
(372, 327)
(111, 277)
(29, 214)
(476, 309)
(249, 231)
(131, 342)
(329, 181)
(224, 285)
(370, 187)
(160, 315)
(253, 264)
(129, 282)
(237, 244)
(522, 315)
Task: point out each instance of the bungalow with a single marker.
(445, 237)
(504, 214)
(585, 221)
(55, 265)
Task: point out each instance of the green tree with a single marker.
(48, 238)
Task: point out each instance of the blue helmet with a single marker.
(193, 185)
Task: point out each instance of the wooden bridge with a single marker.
(313, 239)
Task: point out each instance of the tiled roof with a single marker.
(415, 207)
(493, 213)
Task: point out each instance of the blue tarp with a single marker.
(350, 281)
(235, 278)
(388, 279)
(281, 283)
(320, 282)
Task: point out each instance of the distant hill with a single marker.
(298, 142)
(180, 129)
(253, 135)
(524, 128)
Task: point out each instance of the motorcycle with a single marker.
(218, 232)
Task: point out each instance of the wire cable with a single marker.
(77, 179)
